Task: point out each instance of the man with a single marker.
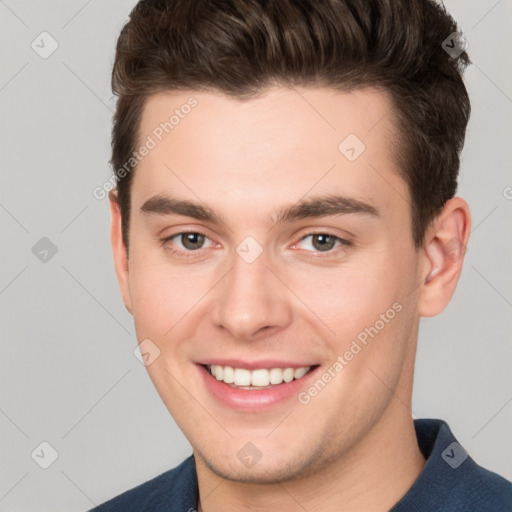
(285, 213)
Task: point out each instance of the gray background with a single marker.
(68, 373)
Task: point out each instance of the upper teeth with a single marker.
(260, 377)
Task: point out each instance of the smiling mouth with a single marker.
(253, 380)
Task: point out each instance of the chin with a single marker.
(270, 471)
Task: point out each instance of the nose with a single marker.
(251, 300)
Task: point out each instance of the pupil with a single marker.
(326, 242)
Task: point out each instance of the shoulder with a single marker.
(175, 489)
(451, 479)
(477, 489)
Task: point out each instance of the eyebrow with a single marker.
(318, 206)
(324, 206)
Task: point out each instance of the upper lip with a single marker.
(253, 365)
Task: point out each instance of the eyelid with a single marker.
(343, 242)
(183, 252)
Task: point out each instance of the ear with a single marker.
(119, 249)
(443, 253)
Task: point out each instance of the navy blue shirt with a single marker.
(451, 481)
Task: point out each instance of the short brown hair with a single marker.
(240, 47)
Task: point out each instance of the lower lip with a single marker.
(254, 400)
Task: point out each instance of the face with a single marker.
(297, 255)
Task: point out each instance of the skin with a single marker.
(353, 446)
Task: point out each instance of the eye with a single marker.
(322, 242)
(187, 241)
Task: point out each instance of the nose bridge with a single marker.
(250, 298)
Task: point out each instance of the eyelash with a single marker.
(191, 254)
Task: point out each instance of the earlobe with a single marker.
(443, 255)
(119, 250)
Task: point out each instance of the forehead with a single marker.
(274, 148)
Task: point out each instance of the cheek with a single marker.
(160, 297)
(347, 300)
(364, 312)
